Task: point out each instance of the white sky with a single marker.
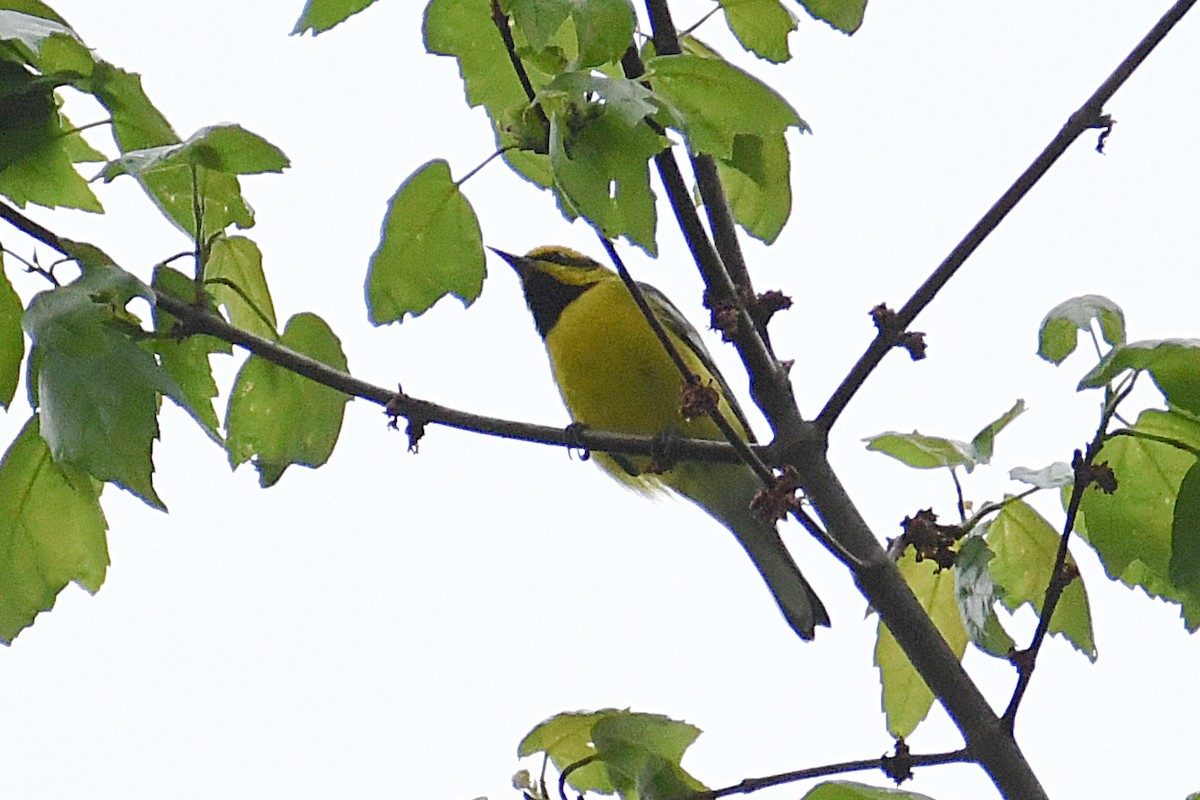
(391, 625)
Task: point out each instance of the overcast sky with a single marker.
(392, 624)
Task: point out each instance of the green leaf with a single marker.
(1053, 476)
(28, 25)
(12, 340)
(430, 246)
(35, 164)
(906, 698)
(1184, 566)
(1058, 334)
(761, 26)
(602, 172)
(643, 752)
(321, 15)
(629, 100)
(187, 360)
(758, 186)
(985, 440)
(234, 279)
(711, 96)
(1025, 547)
(1131, 529)
(1174, 364)
(927, 452)
(567, 739)
(279, 418)
(922, 452)
(845, 15)
(849, 790)
(464, 30)
(977, 596)
(63, 55)
(138, 125)
(34, 8)
(97, 388)
(52, 531)
(221, 148)
(605, 30)
(539, 20)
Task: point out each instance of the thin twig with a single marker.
(1090, 115)
(755, 784)
(1060, 577)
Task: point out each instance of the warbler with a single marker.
(615, 375)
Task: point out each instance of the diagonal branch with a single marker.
(1090, 115)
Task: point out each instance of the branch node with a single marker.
(1087, 473)
(898, 766)
(698, 399)
(779, 499)
(399, 406)
(887, 323)
(929, 539)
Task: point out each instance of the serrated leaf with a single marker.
(138, 125)
(12, 339)
(187, 360)
(604, 29)
(1174, 365)
(906, 697)
(629, 100)
(710, 97)
(1058, 334)
(35, 164)
(235, 261)
(761, 26)
(63, 54)
(845, 15)
(540, 20)
(30, 25)
(464, 30)
(1131, 528)
(1184, 566)
(985, 440)
(922, 452)
(1053, 476)
(279, 418)
(319, 16)
(221, 148)
(977, 596)
(642, 753)
(52, 531)
(97, 388)
(602, 171)
(567, 739)
(430, 247)
(1025, 546)
(757, 181)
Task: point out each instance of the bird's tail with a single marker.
(726, 493)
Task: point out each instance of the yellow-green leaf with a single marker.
(906, 697)
(430, 247)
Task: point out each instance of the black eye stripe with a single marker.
(564, 259)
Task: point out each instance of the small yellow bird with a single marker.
(615, 375)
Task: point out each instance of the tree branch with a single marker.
(1089, 115)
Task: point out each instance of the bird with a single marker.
(615, 375)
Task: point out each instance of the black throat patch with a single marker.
(547, 297)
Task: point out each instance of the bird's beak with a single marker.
(516, 262)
